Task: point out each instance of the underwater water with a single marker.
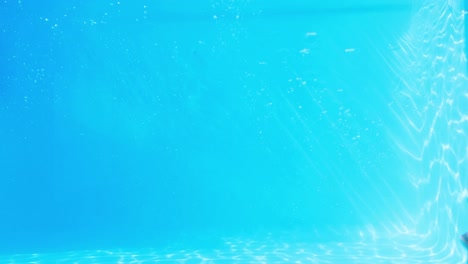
(233, 131)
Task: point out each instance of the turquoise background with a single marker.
(138, 123)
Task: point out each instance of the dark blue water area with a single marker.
(125, 127)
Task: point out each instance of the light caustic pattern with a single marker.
(265, 249)
(368, 246)
(432, 106)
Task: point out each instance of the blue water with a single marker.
(233, 132)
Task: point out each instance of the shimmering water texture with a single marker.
(431, 104)
(392, 249)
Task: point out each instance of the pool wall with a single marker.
(432, 105)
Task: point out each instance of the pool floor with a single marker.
(386, 249)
